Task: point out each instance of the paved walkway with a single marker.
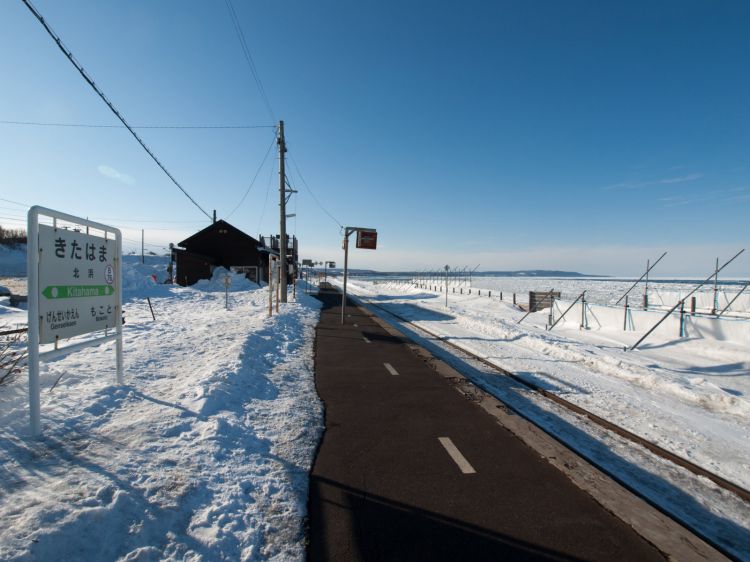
(410, 470)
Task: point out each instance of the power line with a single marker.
(265, 202)
(13, 219)
(138, 221)
(248, 57)
(249, 187)
(312, 194)
(113, 219)
(95, 126)
(16, 202)
(91, 83)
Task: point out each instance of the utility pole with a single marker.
(282, 214)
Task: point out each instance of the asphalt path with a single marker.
(409, 469)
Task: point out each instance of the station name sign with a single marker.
(78, 290)
(75, 288)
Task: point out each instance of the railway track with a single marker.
(598, 420)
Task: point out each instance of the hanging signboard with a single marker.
(367, 239)
(78, 287)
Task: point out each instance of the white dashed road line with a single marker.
(456, 455)
(365, 338)
(390, 368)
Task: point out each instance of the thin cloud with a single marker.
(717, 196)
(664, 181)
(110, 172)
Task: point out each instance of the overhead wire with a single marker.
(248, 57)
(158, 221)
(14, 219)
(109, 104)
(265, 203)
(15, 202)
(116, 219)
(296, 167)
(249, 187)
(95, 126)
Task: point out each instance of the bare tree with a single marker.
(13, 352)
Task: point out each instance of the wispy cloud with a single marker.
(717, 196)
(663, 181)
(110, 172)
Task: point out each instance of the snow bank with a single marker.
(204, 454)
(238, 282)
(140, 277)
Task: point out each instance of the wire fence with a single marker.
(729, 299)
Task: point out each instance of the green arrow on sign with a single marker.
(77, 291)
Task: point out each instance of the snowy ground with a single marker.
(204, 454)
(691, 397)
(662, 293)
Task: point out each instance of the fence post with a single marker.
(584, 322)
(490, 295)
(682, 319)
(692, 305)
(501, 295)
(551, 317)
(625, 320)
(514, 298)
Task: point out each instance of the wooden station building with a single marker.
(223, 245)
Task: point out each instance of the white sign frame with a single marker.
(35, 320)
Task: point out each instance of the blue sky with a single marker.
(583, 136)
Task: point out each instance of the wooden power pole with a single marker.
(283, 267)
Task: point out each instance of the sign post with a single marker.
(227, 284)
(367, 238)
(308, 264)
(75, 288)
(447, 269)
(325, 270)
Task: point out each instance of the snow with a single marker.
(204, 454)
(689, 395)
(662, 293)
